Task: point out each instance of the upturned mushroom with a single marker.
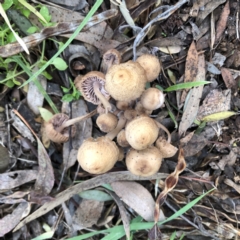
(111, 57)
(57, 127)
(145, 162)
(151, 65)
(92, 87)
(152, 99)
(98, 156)
(167, 149)
(125, 81)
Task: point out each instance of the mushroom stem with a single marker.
(75, 120)
(165, 130)
(102, 99)
(121, 123)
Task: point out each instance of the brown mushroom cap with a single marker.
(126, 81)
(88, 84)
(141, 132)
(107, 122)
(151, 65)
(53, 124)
(167, 150)
(98, 156)
(145, 162)
(152, 99)
(121, 139)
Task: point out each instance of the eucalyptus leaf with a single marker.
(95, 195)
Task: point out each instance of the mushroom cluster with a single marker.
(124, 108)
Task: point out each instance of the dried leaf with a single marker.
(216, 101)
(192, 105)
(88, 184)
(138, 198)
(228, 79)
(61, 28)
(11, 220)
(87, 214)
(35, 98)
(83, 131)
(45, 178)
(170, 182)
(209, 7)
(222, 22)
(5, 159)
(17, 178)
(191, 67)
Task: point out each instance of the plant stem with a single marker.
(102, 99)
(121, 124)
(75, 120)
(165, 130)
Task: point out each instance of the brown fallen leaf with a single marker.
(191, 68)
(222, 22)
(138, 198)
(192, 106)
(87, 214)
(8, 222)
(45, 177)
(229, 80)
(216, 101)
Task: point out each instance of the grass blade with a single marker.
(181, 86)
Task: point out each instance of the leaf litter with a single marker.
(196, 41)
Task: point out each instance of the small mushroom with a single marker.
(111, 57)
(151, 65)
(107, 122)
(57, 127)
(99, 155)
(145, 162)
(92, 87)
(167, 150)
(152, 99)
(141, 132)
(121, 139)
(125, 81)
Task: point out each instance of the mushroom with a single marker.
(141, 132)
(107, 122)
(125, 81)
(92, 88)
(57, 127)
(144, 162)
(98, 156)
(167, 150)
(111, 57)
(121, 139)
(151, 65)
(152, 99)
